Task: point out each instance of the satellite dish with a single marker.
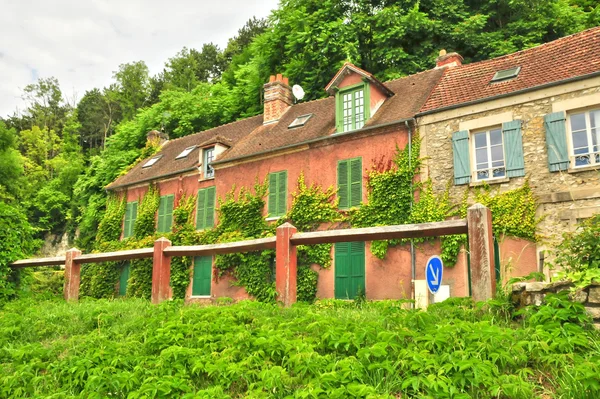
(298, 92)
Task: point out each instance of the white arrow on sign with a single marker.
(435, 275)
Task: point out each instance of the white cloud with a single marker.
(81, 42)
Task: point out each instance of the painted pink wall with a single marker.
(376, 96)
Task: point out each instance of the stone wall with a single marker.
(524, 294)
(565, 197)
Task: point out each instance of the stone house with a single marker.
(335, 140)
(535, 115)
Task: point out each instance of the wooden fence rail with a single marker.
(477, 225)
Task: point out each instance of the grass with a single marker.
(332, 349)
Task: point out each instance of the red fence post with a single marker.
(72, 275)
(161, 272)
(481, 250)
(285, 265)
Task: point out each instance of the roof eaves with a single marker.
(110, 187)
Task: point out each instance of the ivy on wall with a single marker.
(110, 228)
(145, 223)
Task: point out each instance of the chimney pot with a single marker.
(272, 78)
(448, 60)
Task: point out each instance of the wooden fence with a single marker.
(477, 225)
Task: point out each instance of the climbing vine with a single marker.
(184, 233)
(109, 228)
(145, 223)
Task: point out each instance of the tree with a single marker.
(46, 107)
(98, 113)
(133, 87)
(11, 164)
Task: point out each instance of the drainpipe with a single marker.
(413, 260)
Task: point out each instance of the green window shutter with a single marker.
(127, 221)
(343, 189)
(133, 217)
(513, 148)
(200, 210)
(123, 279)
(165, 213)
(202, 276)
(556, 141)
(210, 207)
(342, 270)
(272, 208)
(339, 126)
(281, 193)
(460, 150)
(355, 182)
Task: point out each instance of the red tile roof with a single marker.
(565, 58)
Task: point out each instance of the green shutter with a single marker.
(460, 150)
(556, 141)
(355, 182)
(134, 207)
(339, 125)
(272, 208)
(127, 221)
(123, 279)
(202, 276)
(342, 272)
(200, 210)
(210, 207)
(513, 148)
(343, 192)
(165, 213)
(349, 269)
(281, 193)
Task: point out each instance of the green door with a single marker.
(123, 279)
(202, 276)
(349, 269)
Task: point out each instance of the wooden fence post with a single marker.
(481, 250)
(72, 275)
(161, 272)
(286, 265)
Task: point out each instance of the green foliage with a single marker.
(306, 284)
(145, 223)
(111, 226)
(244, 214)
(184, 233)
(334, 349)
(578, 254)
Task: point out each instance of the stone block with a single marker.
(518, 287)
(579, 296)
(535, 287)
(594, 296)
(593, 311)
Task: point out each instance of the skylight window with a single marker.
(300, 121)
(186, 152)
(506, 74)
(152, 161)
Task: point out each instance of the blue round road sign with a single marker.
(434, 271)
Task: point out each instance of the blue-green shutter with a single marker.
(556, 141)
(127, 222)
(355, 182)
(281, 193)
(123, 279)
(343, 188)
(200, 210)
(165, 213)
(202, 276)
(210, 207)
(349, 269)
(513, 148)
(462, 164)
(272, 208)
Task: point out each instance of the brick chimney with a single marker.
(157, 137)
(448, 60)
(278, 98)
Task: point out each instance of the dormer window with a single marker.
(186, 152)
(152, 161)
(352, 107)
(506, 74)
(209, 156)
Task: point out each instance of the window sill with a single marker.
(200, 297)
(584, 168)
(272, 218)
(206, 178)
(489, 182)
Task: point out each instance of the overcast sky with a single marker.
(81, 42)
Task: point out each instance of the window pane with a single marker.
(481, 156)
(580, 142)
(497, 153)
(495, 136)
(595, 119)
(480, 140)
(578, 122)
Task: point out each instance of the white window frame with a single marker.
(570, 144)
(205, 163)
(473, 154)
